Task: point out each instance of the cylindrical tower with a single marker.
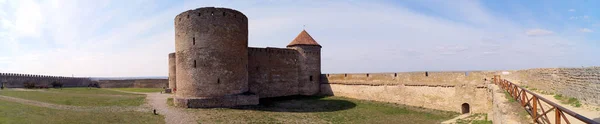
(211, 47)
(172, 74)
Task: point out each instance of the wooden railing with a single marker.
(532, 104)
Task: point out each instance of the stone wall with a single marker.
(410, 78)
(436, 90)
(136, 83)
(273, 72)
(14, 80)
(580, 83)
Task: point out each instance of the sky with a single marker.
(119, 38)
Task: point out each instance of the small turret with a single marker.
(309, 59)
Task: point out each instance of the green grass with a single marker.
(478, 118)
(568, 100)
(170, 102)
(79, 97)
(509, 97)
(141, 90)
(16, 113)
(313, 109)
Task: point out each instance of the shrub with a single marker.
(29, 85)
(558, 96)
(56, 84)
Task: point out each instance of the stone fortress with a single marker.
(213, 66)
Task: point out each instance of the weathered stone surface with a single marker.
(273, 71)
(223, 101)
(213, 61)
(449, 98)
(580, 83)
(211, 46)
(172, 72)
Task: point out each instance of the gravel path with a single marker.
(172, 115)
(75, 108)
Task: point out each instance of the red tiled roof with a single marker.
(303, 39)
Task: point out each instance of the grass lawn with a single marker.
(312, 109)
(16, 113)
(141, 90)
(79, 97)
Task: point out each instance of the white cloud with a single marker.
(538, 32)
(585, 18)
(571, 10)
(127, 38)
(585, 30)
(28, 18)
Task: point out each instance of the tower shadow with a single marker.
(300, 104)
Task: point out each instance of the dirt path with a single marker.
(453, 120)
(172, 115)
(74, 108)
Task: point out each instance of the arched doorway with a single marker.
(465, 108)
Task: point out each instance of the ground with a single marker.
(70, 105)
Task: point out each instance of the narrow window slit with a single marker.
(194, 63)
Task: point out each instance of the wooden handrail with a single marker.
(520, 94)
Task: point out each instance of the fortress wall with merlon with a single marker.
(14, 80)
(439, 90)
(273, 72)
(580, 83)
(137, 83)
(411, 78)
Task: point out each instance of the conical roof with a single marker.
(303, 39)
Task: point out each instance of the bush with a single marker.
(29, 85)
(568, 100)
(56, 84)
(558, 96)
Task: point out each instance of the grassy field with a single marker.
(79, 97)
(141, 90)
(322, 110)
(15, 113)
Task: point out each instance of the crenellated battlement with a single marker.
(271, 50)
(210, 13)
(18, 75)
(16, 80)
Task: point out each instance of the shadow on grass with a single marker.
(300, 104)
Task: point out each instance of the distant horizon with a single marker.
(113, 38)
(166, 76)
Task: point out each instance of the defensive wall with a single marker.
(580, 83)
(134, 83)
(15, 80)
(450, 91)
(273, 71)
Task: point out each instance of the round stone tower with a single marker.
(172, 74)
(211, 47)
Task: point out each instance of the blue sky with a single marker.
(134, 37)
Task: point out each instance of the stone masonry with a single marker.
(214, 67)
